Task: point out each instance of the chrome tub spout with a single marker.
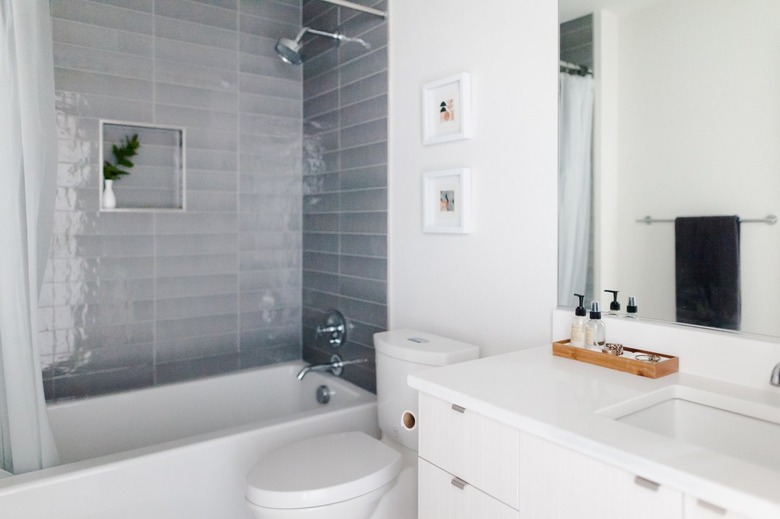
(335, 366)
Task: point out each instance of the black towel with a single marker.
(707, 271)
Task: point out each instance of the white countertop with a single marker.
(557, 399)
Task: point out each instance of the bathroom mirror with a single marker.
(687, 123)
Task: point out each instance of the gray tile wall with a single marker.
(576, 43)
(345, 183)
(136, 299)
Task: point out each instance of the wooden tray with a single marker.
(667, 365)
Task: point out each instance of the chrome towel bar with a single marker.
(769, 220)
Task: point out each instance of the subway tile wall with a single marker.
(576, 41)
(134, 299)
(345, 183)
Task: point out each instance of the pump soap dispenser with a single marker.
(614, 306)
(595, 329)
(578, 324)
(631, 308)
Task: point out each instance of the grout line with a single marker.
(239, 291)
(154, 215)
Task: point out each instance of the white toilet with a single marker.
(352, 475)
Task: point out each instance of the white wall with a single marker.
(698, 107)
(495, 287)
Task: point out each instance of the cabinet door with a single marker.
(556, 482)
(442, 496)
(470, 446)
(698, 509)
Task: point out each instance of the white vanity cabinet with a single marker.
(529, 433)
(468, 463)
(474, 466)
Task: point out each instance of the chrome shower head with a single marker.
(290, 50)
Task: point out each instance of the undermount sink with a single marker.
(746, 430)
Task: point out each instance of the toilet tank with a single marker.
(398, 353)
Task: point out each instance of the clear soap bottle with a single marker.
(578, 324)
(595, 329)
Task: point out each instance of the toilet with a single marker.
(352, 475)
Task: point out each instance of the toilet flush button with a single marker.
(418, 340)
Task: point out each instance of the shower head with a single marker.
(290, 50)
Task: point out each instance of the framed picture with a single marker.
(446, 199)
(447, 109)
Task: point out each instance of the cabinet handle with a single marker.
(457, 408)
(712, 508)
(457, 482)
(646, 483)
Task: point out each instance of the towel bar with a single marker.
(769, 220)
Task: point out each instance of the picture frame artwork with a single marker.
(446, 197)
(447, 109)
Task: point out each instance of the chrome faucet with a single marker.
(775, 378)
(335, 366)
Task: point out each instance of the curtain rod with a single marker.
(769, 220)
(582, 69)
(357, 7)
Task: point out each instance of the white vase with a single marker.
(109, 199)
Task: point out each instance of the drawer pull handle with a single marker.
(457, 408)
(457, 482)
(646, 483)
(712, 508)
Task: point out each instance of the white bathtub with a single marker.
(182, 450)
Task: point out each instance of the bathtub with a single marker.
(181, 450)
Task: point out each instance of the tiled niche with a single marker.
(153, 177)
(133, 299)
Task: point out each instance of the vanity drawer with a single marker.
(474, 448)
(448, 497)
(559, 482)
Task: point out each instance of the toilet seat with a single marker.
(322, 470)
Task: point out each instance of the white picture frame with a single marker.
(446, 201)
(447, 109)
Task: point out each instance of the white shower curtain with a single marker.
(575, 136)
(28, 162)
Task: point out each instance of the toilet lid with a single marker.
(322, 470)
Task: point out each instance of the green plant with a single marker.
(122, 155)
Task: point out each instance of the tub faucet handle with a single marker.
(775, 378)
(334, 328)
(322, 330)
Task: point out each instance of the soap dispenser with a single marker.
(578, 324)
(614, 306)
(595, 329)
(631, 308)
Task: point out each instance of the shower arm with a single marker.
(335, 35)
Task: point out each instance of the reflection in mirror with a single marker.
(686, 124)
